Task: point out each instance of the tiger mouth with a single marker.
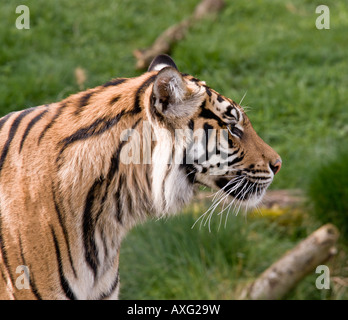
(246, 192)
(242, 188)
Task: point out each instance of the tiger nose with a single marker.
(275, 167)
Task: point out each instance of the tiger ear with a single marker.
(160, 62)
(172, 96)
(170, 93)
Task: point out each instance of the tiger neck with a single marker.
(104, 196)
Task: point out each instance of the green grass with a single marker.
(166, 259)
(328, 192)
(172, 261)
(295, 78)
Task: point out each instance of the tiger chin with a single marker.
(76, 175)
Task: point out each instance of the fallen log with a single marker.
(175, 33)
(283, 275)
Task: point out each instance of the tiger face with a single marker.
(223, 151)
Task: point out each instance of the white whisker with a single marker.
(217, 199)
(240, 102)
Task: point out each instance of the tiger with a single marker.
(69, 192)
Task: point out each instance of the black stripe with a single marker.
(257, 171)
(189, 169)
(84, 100)
(114, 82)
(114, 100)
(128, 198)
(105, 245)
(13, 130)
(33, 286)
(100, 211)
(148, 182)
(4, 252)
(164, 103)
(208, 91)
(195, 79)
(191, 172)
(208, 114)
(235, 160)
(65, 231)
(237, 132)
(112, 289)
(220, 98)
(230, 143)
(2, 273)
(256, 178)
(222, 182)
(98, 127)
(91, 250)
(29, 127)
(63, 281)
(4, 119)
(138, 93)
(233, 153)
(191, 124)
(154, 112)
(208, 132)
(118, 200)
(50, 124)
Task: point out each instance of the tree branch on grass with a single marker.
(175, 33)
(284, 274)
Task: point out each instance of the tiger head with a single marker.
(221, 150)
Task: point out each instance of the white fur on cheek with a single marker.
(160, 160)
(177, 190)
(170, 187)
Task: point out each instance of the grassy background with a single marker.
(172, 261)
(294, 77)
